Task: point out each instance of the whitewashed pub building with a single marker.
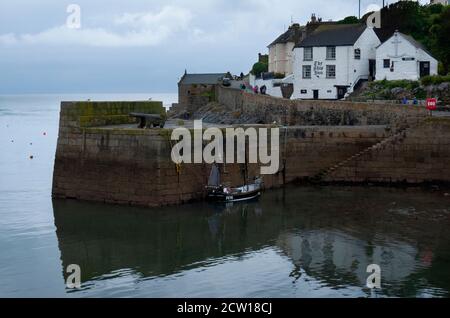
(333, 59)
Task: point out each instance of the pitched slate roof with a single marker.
(411, 40)
(333, 35)
(415, 43)
(205, 79)
(289, 36)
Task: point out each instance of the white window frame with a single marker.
(304, 72)
(328, 71)
(331, 53)
(310, 56)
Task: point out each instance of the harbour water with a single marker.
(293, 242)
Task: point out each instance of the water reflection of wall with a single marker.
(103, 239)
(338, 257)
(332, 234)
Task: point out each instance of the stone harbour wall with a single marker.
(268, 109)
(134, 166)
(420, 155)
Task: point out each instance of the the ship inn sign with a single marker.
(318, 68)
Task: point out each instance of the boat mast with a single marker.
(244, 167)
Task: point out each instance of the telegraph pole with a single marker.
(359, 10)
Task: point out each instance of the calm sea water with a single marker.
(297, 242)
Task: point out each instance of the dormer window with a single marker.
(308, 54)
(357, 54)
(331, 52)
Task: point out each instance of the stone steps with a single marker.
(398, 136)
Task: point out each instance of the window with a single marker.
(308, 53)
(331, 71)
(331, 52)
(386, 63)
(306, 71)
(303, 91)
(357, 54)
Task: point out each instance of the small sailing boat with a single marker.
(217, 192)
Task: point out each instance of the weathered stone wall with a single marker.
(131, 166)
(317, 112)
(193, 97)
(75, 115)
(421, 155)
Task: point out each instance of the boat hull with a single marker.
(229, 194)
(234, 197)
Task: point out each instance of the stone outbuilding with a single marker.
(197, 90)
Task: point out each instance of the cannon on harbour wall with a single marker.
(147, 121)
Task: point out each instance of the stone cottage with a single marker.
(197, 90)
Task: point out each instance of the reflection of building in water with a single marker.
(315, 229)
(338, 256)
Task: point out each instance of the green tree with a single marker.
(428, 24)
(349, 20)
(441, 44)
(259, 68)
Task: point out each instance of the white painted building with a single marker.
(331, 60)
(281, 50)
(403, 58)
(273, 86)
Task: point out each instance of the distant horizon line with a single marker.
(86, 93)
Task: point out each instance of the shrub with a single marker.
(349, 20)
(435, 79)
(441, 69)
(421, 93)
(210, 94)
(399, 83)
(259, 68)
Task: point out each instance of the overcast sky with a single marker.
(141, 45)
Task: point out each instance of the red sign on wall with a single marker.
(431, 104)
